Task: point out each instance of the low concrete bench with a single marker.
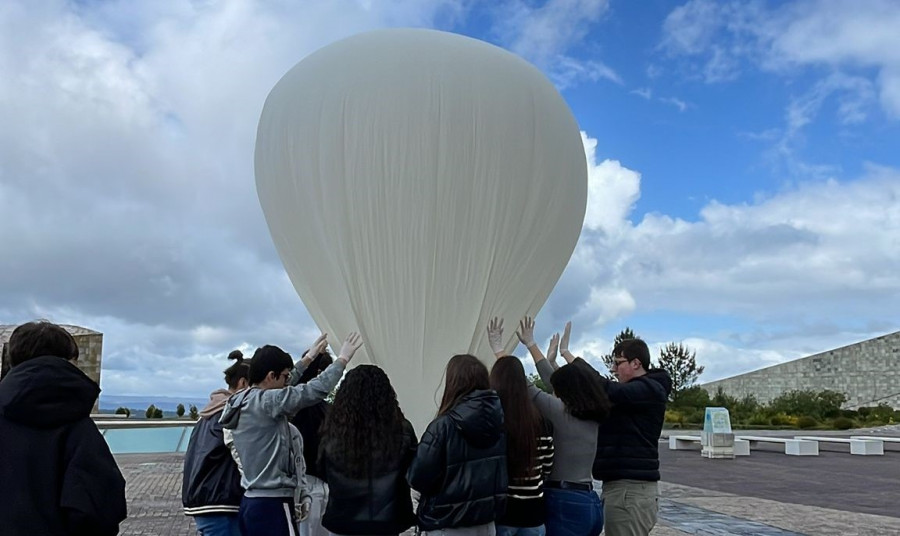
(687, 442)
(882, 439)
(859, 447)
(792, 447)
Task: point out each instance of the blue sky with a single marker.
(743, 165)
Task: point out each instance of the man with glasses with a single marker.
(627, 458)
(258, 418)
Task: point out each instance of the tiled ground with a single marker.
(775, 495)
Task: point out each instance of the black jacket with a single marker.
(460, 465)
(628, 440)
(308, 420)
(56, 472)
(378, 504)
(211, 483)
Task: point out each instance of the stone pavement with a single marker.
(702, 497)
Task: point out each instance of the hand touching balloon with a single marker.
(495, 336)
(526, 331)
(351, 344)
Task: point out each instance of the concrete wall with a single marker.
(867, 372)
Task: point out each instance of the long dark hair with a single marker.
(464, 374)
(521, 418)
(365, 423)
(581, 392)
(240, 370)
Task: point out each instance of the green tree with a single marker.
(194, 414)
(151, 412)
(179, 410)
(623, 335)
(681, 364)
(539, 383)
(123, 411)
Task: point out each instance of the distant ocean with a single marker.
(109, 403)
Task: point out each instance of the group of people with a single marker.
(269, 455)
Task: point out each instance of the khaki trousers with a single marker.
(630, 507)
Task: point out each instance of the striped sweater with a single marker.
(525, 503)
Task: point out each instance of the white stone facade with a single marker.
(868, 372)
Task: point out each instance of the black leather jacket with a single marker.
(460, 465)
(211, 483)
(378, 504)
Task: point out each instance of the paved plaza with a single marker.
(765, 494)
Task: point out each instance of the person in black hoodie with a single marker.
(627, 458)
(211, 486)
(58, 475)
(460, 464)
(366, 447)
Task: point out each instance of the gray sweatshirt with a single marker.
(574, 440)
(259, 424)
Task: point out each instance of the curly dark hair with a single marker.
(364, 424)
(521, 418)
(581, 392)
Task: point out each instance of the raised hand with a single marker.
(316, 348)
(495, 335)
(552, 350)
(526, 331)
(564, 342)
(351, 344)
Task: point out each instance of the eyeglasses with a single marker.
(618, 362)
(284, 375)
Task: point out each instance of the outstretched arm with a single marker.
(290, 400)
(526, 337)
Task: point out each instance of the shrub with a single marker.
(693, 397)
(194, 414)
(842, 423)
(151, 412)
(806, 422)
(123, 411)
(179, 410)
(780, 419)
(818, 405)
(759, 419)
(674, 417)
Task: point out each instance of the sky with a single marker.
(743, 172)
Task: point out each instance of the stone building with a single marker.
(868, 372)
(90, 348)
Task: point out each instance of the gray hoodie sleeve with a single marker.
(290, 400)
(545, 370)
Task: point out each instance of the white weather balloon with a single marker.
(417, 183)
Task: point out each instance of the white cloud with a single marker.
(796, 272)
(854, 39)
(546, 34)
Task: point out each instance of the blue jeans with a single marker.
(504, 530)
(218, 525)
(573, 512)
